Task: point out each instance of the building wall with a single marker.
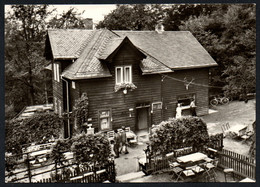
(150, 88)
(174, 87)
(102, 95)
(57, 90)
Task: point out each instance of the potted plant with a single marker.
(125, 86)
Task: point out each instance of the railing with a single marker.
(87, 175)
(26, 171)
(242, 165)
(159, 162)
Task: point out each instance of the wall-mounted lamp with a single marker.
(125, 91)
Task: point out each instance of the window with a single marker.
(156, 105)
(105, 119)
(73, 85)
(127, 74)
(185, 100)
(56, 72)
(123, 74)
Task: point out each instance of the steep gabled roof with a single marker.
(68, 43)
(175, 49)
(163, 52)
(88, 64)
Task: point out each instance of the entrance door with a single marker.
(142, 118)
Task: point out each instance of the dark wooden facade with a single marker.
(128, 109)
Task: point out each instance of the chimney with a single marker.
(159, 28)
(88, 23)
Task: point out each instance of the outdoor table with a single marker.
(239, 129)
(194, 157)
(37, 153)
(247, 180)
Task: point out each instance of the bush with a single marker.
(37, 129)
(91, 149)
(177, 133)
(80, 111)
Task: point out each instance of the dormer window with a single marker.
(123, 74)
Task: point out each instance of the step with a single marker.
(130, 176)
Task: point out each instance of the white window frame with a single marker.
(73, 85)
(122, 78)
(123, 74)
(58, 72)
(157, 103)
(130, 74)
(109, 117)
(54, 71)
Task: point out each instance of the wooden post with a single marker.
(29, 168)
(56, 171)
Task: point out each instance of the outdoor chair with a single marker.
(127, 129)
(229, 172)
(177, 171)
(210, 169)
(111, 135)
(225, 128)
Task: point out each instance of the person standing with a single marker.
(116, 144)
(123, 141)
(193, 108)
(178, 111)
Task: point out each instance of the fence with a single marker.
(27, 170)
(158, 162)
(242, 165)
(86, 175)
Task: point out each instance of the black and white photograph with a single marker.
(130, 93)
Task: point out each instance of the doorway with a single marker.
(142, 118)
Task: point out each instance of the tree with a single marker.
(24, 35)
(70, 20)
(133, 17)
(80, 111)
(179, 13)
(229, 35)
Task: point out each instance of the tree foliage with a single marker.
(177, 133)
(25, 32)
(69, 20)
(133, 17)
(229, 35)
(39, 128)
(24, 36)
(80, 110)
(91, 149)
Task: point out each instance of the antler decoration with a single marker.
(187, 83)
